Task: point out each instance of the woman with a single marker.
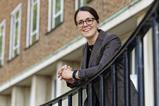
(99, 50)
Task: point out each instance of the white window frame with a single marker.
(14, 47)
(52, 15)
(30, 33)
(79, 3)
(2, 34)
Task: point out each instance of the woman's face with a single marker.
(86, 23)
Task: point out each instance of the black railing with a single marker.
(150, 21)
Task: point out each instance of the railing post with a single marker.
(140, 69)
(114, 86)
(80, 100)
(126, 79)
(155, 29)
(70, 100)
(102, 91)
(60, 102)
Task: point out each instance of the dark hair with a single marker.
(88, 9)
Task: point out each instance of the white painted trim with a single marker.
(29, 72)
(11, 37)
(30, 34)
(36, 32)
(49, 14)
(127, 14)
(79, 3)
(28, 24)
(59, 12)
(3, 24)
(16, 9)
(12, 31)
(62, 10)
(52, 15)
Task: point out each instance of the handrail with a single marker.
(143, 27)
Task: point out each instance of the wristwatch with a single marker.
(74, 76)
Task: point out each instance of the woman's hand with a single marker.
(66, 74)
(59, 72)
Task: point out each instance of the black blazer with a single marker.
(105, 47)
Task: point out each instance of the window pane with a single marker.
(58, 20)
(16, 33)
(79, 3)
(58, 6)
(0, 46)
(17, 15)
(87, 1)
(35, 17)
(15, 52)
(0, 62)
(1, 29)
(1, 40)
(34, 38)
(34, 1)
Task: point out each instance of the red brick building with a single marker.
(38, 36)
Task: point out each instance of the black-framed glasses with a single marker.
(88, 21)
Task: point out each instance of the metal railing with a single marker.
(150, 21)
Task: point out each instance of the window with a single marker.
(33, 22)
(15, 32)
(56, 8)
(79, 3)
(2, 42)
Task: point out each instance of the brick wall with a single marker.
(49, 42)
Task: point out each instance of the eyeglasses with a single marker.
(88, 21)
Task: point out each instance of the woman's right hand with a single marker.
(59, 72)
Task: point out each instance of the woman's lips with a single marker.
(86, 30)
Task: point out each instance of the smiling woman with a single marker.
(98, 51)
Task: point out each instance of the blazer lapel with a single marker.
(96, 47)
(85, 55)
